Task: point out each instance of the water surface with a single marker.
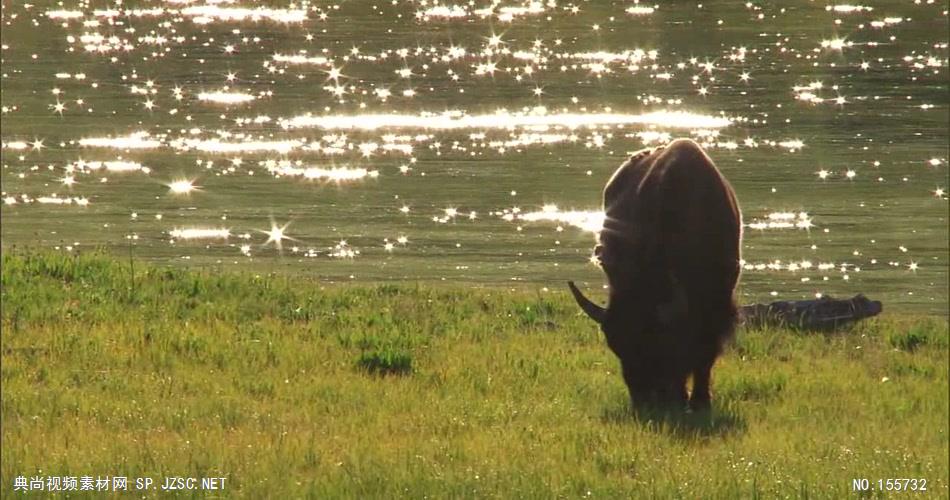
(470, 141)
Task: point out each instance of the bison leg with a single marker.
(662, 392)
(676, 393)
(717, 322)
(700, 399)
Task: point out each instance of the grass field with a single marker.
(291, 389)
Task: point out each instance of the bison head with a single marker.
(634, 327)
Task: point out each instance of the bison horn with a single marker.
(595, 312)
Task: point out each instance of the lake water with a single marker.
(470, 141)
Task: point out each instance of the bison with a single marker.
(670, 250)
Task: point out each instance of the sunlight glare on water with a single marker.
(481, 132)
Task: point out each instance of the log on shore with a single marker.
(824, 314)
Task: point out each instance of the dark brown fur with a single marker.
(670, 250)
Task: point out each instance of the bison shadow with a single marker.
(719, 422)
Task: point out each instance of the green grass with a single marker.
(293, 389)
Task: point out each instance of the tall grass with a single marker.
(294, 389)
